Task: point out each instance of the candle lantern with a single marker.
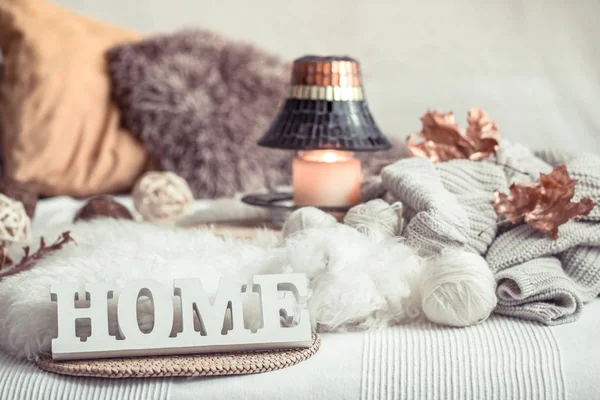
(325, 119)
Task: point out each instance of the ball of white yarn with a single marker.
(15, 225)
(457, 289)
(376, 218)
(305, 218)
(162, 197)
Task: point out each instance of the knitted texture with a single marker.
(581, 265)
(450, 205)
(586, 169)
(439, 221)
(473, 185)
(577, 251)
(554, 157)
(538, 290)
(520, 164)
(451, 202)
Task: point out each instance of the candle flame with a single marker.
(327, 156)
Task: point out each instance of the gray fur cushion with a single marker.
(200, 102)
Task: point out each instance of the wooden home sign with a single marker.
(220, 323)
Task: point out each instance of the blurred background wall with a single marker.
(534, 65)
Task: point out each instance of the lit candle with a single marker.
(326, 178)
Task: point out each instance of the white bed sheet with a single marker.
(501, 358)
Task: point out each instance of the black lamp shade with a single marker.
(325, 109)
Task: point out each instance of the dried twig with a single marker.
(29, 260)
(511, 168)
(503, 222)
(5, 260)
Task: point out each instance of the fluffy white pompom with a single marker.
(457, 289)
(355, 282)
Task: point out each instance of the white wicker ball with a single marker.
(15, 225)
(162, 197)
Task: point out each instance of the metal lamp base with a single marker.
(281, 205)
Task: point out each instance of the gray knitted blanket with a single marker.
(450, 204)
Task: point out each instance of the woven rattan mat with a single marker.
(241, 363)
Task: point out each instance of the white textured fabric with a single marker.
(22, 380)
(500, 359)
(334, 373)
(580, 353)
(515, 359)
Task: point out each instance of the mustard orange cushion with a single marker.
(60, 130)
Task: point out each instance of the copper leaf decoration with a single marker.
(522, 199)
(482, 135)
(442, 138)
(544, 206)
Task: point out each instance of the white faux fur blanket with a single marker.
(355, 282)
